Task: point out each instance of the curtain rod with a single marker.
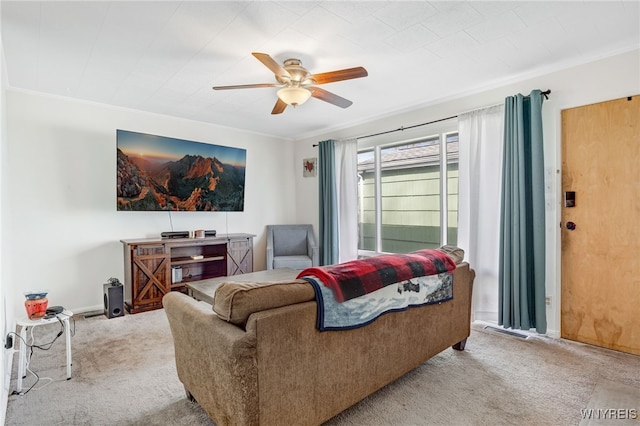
(546, 94)
(402, 128)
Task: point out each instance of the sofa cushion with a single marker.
(455, 253)
(236, 301)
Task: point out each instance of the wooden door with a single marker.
(600, 258)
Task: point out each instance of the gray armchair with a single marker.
(291, 246)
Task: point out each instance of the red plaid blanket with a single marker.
(359, 277)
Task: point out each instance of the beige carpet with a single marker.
(124, 374)
(609, 404)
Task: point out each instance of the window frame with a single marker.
(442, 133)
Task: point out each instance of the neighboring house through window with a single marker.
(404, 204)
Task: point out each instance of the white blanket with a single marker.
(362, 310)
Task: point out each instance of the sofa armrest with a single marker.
(214, 360)
(269, 257)
(269, 249)
(312, 249)
(236, 301)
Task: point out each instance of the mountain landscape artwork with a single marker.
(157, 173)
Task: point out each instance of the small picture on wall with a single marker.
(309, 167)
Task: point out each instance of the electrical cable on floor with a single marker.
(43, 347)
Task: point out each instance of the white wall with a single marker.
(58, 198)
(61, 196)
(610, 78)
(7, 322)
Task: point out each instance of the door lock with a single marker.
(569, 198)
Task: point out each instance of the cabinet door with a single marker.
(240, 256)
(151, 278)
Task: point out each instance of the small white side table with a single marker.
(25, 324)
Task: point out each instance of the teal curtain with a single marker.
(522, 216)
(328, 204)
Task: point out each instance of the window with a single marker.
(401, 206)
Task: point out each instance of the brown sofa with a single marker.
(260, 360)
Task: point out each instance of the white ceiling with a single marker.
(163, 57)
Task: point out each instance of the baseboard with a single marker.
(506, 331)
(3, 409)
(555, 334)
(7, 363)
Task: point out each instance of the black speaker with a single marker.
(113, 300)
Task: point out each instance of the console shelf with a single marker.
(188, 260)
(150, 265)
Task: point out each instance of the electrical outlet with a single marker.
(547, 300)
(8, 343)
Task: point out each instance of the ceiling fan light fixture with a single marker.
(298, 84)
(294, 96)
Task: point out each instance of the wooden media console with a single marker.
(149, 265)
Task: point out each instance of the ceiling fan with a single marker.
(297, 84)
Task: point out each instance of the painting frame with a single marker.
(160, 173)
(310, 167)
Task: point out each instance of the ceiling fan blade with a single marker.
(246, 86)
(279, 107)
(332, 98)
(346, 74)
(270, 63)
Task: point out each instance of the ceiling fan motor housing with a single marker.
(298, 76)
